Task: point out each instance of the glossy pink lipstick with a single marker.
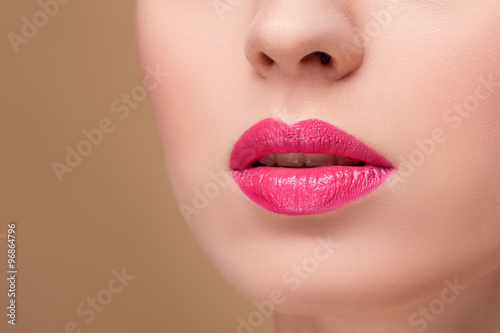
(304, 190)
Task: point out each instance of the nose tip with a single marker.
(302, 39)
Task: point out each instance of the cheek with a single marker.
(181, 104)
(199, 106)
(437, 90)
(444, 79)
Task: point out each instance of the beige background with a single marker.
(114, 210)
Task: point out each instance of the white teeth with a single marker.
(268, 160)
(316, 160)
(294, 160)
(297, 160)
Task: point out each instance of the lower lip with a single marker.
(305, 191)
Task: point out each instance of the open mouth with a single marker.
(308, 167)
(303, 160)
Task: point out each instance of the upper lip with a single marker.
(312, 136)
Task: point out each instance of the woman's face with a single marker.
(417, 82)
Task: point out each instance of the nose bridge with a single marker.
(292, 37)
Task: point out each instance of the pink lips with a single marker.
(303, 191)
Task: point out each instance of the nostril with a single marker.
(323, 57)
(266, 59)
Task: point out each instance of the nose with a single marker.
(303, 39)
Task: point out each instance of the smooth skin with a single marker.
(417, 80)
